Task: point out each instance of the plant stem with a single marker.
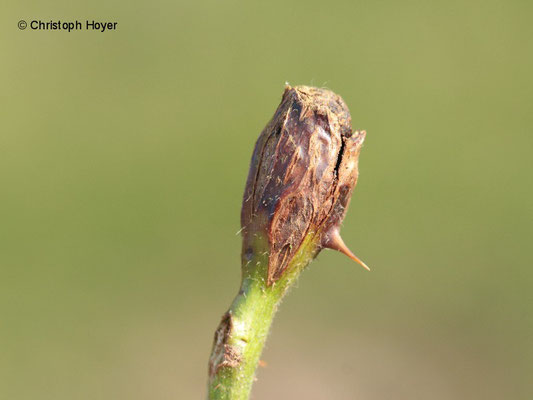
(242, 333)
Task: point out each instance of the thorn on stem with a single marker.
(332, 240)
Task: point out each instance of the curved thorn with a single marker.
(334, 241)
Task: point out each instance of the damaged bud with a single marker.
(302, 174)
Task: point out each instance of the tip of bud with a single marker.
(333, 240)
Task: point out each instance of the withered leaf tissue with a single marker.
(302, 174)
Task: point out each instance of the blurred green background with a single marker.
(123, 157)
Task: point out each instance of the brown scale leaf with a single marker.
(302, 174)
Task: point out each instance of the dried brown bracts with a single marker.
(302, 174)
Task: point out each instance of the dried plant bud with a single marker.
(302, 174)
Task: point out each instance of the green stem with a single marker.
(242, 333)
